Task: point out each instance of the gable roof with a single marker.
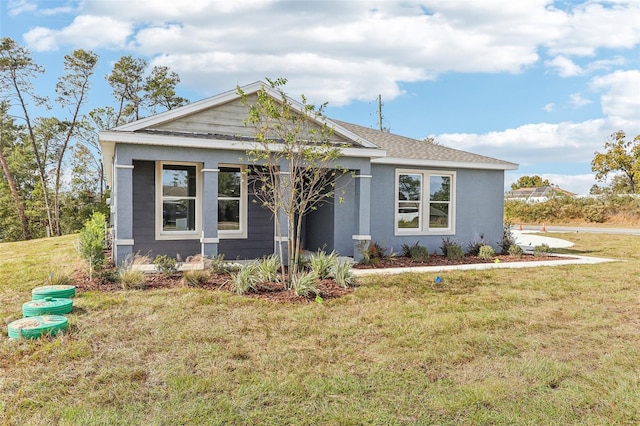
(190, 126)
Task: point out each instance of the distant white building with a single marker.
(537, 194)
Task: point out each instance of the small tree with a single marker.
(294, 160)
(91, 243)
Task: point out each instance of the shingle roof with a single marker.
(401, 147)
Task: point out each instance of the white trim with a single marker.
(363, 176)
(210, 170)
(361, 237)
(210, 240)
(425, 203)
(124, 242)
(124, 166)
(244, 205)
(412, 162)
(161, 234)
(280, 239)
(212, 143)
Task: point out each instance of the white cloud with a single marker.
(86, 31)
(549, 107)
(576, 100)
(564, 66)
(620, 98)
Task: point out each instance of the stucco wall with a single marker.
(478, 209)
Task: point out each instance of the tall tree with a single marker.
(160, 90)
(72, 89)
(295, 162)
(127, 82)
(8, 132)
(621, 156)
(17, 70)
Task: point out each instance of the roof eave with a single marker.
(445, 164)
(133, 138)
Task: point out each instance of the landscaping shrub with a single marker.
(322, 263)
(451, 249)
(415, 252)
(246, 279)
(541, 250)
(268, 269)
(486, 252)
(507, 238)
(343, 274)
(165, 265)
(372, 252)
(515, 250)
(305, 284)
(91, 242)
(194, 278)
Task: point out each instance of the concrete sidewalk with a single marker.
(525, 239)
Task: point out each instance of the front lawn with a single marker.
(550, 345)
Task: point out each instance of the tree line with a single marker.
(52, 175)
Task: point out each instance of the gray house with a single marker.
(179, 187)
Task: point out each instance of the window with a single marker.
(178, 194)
(232, 206)
(424, 202)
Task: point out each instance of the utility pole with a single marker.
(380, 113)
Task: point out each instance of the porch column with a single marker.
(123, 226)
(362, 238)
(284, 223)
(209, 238)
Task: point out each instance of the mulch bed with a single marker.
(275, 291)
(439, 260)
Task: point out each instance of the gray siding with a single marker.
(479, 209)
(260, 231)
(224, 119)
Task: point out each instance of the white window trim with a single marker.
(244, 199)
(425, 203)
(178, 235)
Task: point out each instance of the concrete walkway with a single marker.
(523, 239)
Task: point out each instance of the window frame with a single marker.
(162, 234)
(242, 232)
(425, 203)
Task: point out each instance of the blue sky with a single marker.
(536, 82)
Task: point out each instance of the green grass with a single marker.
(539, 346)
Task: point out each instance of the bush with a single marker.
(541, 250)
(322, 263)
(165, 265)
(129, 277)
(305, 284)
(194, 278)
(451, 250)
(515, 250)
(486, 252)
(473, 249)
(372, 252)
(596, 214)
(268, 269)
(415, 252)
(507, 238)
(343, 274)
(58, 277)
(246, 279)
(91, 242)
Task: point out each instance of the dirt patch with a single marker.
(439, 260)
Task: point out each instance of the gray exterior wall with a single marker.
(479, 208)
